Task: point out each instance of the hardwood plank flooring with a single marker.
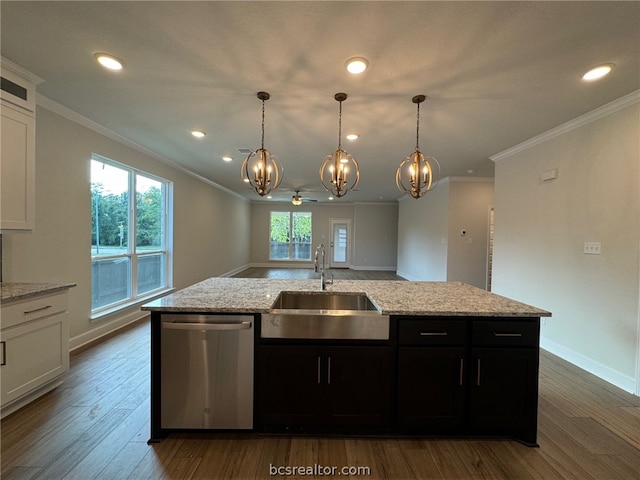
(96, 425)
(337, 273)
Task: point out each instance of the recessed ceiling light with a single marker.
(108, 61)
(357, 65)
(198, 133)
(330, 198)
(227, 158)
(598, 72)
(352, 136)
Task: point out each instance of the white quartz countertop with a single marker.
(14, 291)
(256, 295)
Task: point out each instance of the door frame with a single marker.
(347, 262)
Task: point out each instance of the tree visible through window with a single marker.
(123, 269)
(290, 236)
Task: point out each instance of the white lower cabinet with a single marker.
(34, 349)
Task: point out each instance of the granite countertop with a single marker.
(256, 295)
(14, 291)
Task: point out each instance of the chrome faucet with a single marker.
(323, 282)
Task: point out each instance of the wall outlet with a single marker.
(592, 248)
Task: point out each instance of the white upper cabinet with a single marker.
(17, 148)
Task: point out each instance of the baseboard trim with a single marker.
(105, 329)
(235, 271)
(604, 372)
(406, 276)
(373, 268)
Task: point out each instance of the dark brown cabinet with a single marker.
(468, 376)
(431, 374)
(436, 375)
(431, 388)
(314, 388)
(504, 386)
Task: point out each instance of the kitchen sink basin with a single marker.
(324, 315)
(323, 301)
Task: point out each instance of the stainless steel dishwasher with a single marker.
(207, 371)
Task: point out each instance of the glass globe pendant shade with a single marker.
(260, 169)
(417, 174)
(339, 172)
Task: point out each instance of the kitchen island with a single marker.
(456, 361)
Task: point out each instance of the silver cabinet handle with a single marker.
(461, 371)
(37, 309)
(433, 334)
(207, 326)
(478, 375)
(329, 371)
(496, 334)
(4, 353)
(318, 369)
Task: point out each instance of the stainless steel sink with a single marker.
(323, 301)
(324, 315)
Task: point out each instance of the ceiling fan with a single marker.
(297, 199)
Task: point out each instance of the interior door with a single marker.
(340, 243)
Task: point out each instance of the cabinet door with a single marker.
(17, 165)
(33, 354)
(431, 387)
(504, 389)
(359, 386)
(289, 386)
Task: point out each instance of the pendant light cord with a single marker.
(340, 128)
(262, 125)
(418, 129)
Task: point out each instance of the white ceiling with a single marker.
(496, 74)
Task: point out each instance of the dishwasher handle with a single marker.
(207, 326)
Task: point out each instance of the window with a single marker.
(290, 236)
(130, 250)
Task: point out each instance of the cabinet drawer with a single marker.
(33, 355)
(33, 309)
(516, 332)
(432, 332)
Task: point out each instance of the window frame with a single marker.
(133, 252)
(291, 241)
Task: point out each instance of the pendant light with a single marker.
(417, 173)
(339, 173)
(260, 169)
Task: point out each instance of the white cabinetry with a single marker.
(34, 348)
(17, 149)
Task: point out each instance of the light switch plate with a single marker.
(592, 248)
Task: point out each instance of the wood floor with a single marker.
(337, 273)
(96, 425)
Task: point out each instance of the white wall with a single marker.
(423, 235)
(469, 203)
(211, 227)
(373, 229)
(375, 236)
(430, 246)
(540, 229)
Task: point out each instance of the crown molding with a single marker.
(592, 116)
(69, 114)
(5, 63)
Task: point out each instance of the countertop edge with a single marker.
(221, 295)
(26, 290)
